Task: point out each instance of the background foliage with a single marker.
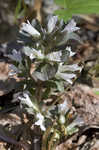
(68, 8)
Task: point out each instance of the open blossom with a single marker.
(52, 23)
(36, 54)
(65, 72)
(26, 100)
(77, 122)
(73, 67)
(65, 76)
(33, 53)
(63, 108)
(71, 27)
(13, 70)
(40, 121)
(68, 48)
(16, 56)
(27, 27)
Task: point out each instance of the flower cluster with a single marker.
(60, 112)
(43, 65)
(44, 46)
(45, 49)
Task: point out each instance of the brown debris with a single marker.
(4, 70)
(85, 102)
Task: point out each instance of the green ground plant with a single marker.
(44, 67)
(69, 8)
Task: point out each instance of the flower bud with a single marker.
(62, 119)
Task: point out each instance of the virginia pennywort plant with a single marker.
(43, 65)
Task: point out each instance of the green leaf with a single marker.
(72, 131)
(46, 93)
(18, 8)
(60, 86)
(75, 7)
(47, 72)
(97, 92)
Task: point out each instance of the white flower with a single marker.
(66, 76)
(71, 27)
(13, 70)
(65, 72)
(16, 56)
(52, 23)
(63, 108)
(36, 54)
(71, 53)
(27, 27)
(77, 122)
(40, 121)
(62, 119)
(73, 67)
(33, 53)
(26, 100)
(55, 56)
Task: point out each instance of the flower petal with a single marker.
(72, 68)
(13, 70)
(71, 53)
(16, 56)
(26, 100)
(33, 53)
(27, 27)
(52, 23)
(40, 121)
(66, 76)
(71, 27)
(63, 108)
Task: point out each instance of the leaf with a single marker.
(61, 3)
(72, 131)
(18, 8)
(75, 7)
(27, 50)
(24, 38)
(46, 93)
(60, 86)
(96, 92)
(47, 72)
